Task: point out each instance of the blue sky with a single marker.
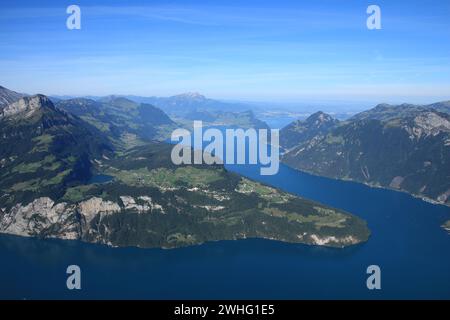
(286, 51)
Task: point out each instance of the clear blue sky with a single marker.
(251, 50)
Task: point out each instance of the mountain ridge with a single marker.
(301, 130)
(405, 147)
(48, 157)
(8, 96)
(122, 119)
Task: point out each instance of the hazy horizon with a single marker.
(305, 105)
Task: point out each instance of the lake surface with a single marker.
(407, 243)
(100, 178)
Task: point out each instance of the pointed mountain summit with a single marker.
(300, 131)
(320, 119)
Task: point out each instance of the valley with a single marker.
(262, 151)
(147, 201)
(127, 197)
(150, 202)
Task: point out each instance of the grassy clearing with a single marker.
(36, 184)
(102, 126)
(270, 194)
(57, 179)
(321, 218)
(166, 178)
(330, 139)
(30, 185)
(27, 167)
(77, 194)
(48, 164)
(43, 143)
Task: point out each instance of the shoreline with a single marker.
(166, 248)
(370, 185)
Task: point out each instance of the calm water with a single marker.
(407, 243)
(100, 178)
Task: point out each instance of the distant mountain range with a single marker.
(183, 104)
(184, 108)
(403, 147)
(129, 119)
(50, 157)
(187, 107)
(386, 112)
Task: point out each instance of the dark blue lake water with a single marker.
(407, 243)
(100, 178)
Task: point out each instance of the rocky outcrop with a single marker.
(8, 96)
(429, 123)
(89, 209)
(446, 226)
(340, 241)
(45, 218)
(26, 106)
(42, 217)
(130, 203)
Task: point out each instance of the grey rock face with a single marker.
(7, 97)
(26, 106)
(45, 218)
(42, 217)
